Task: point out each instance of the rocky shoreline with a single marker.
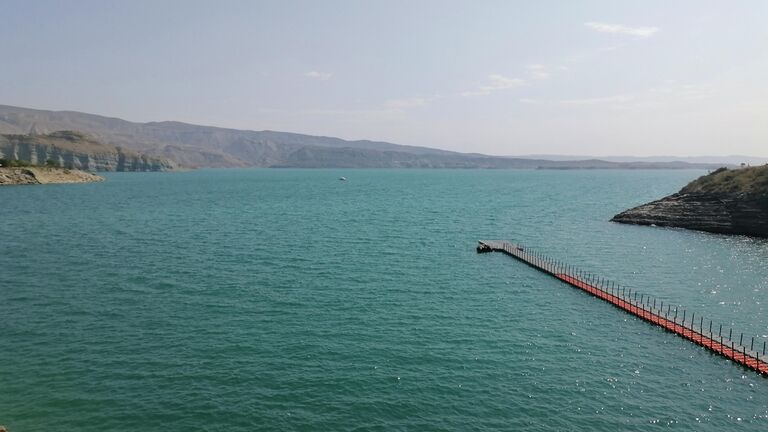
(725, 202)
(45, 175)
(717, 213)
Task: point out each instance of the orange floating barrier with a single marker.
(642, 308)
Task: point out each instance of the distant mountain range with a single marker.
(191, 145)
(728, 159)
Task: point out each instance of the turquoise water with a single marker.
(288, 300)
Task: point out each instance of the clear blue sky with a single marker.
(500, 77)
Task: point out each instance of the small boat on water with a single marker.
(342, 178)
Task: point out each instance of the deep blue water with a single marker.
(288, 300)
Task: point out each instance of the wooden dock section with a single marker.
(645, 307)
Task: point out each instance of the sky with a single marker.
(498, 77)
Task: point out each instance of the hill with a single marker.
(724, 201)
(205, 146)
(751, 181)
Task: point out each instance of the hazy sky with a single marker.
(500, 77)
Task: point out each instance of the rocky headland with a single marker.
(44, 175)
(724, 201)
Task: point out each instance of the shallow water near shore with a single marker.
(289, 300)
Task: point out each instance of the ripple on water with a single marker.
(284, 300)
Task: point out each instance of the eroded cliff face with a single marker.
(712, 212)
(73, 150)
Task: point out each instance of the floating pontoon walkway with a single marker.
(642, 308)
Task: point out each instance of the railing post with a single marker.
(701, 329)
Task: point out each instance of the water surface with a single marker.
(288, 300)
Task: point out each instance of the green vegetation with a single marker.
(15, 163)
(750, 180)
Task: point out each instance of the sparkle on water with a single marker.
(288, 300)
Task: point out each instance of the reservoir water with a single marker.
(288, 300)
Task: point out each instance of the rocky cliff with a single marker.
(725, 201)
(76, 151)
